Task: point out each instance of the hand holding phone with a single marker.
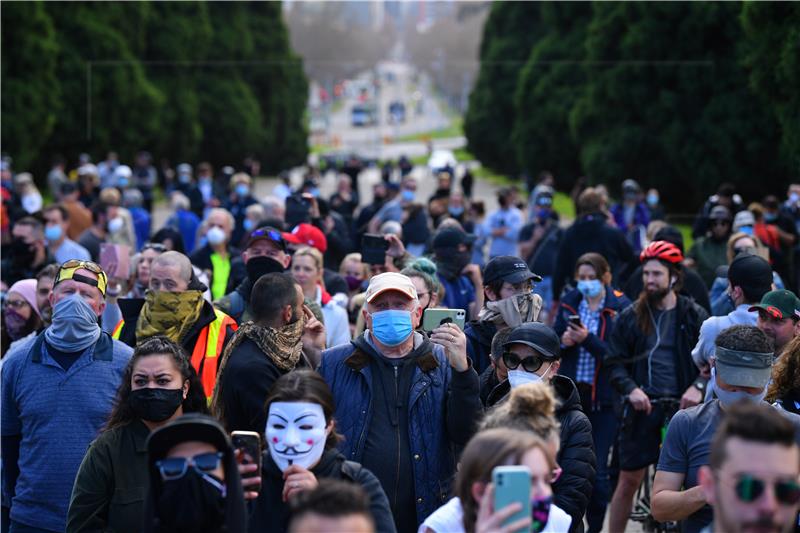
(248, 454)
(373, 249)
(512, 485)
(575, 320)
(433, 317)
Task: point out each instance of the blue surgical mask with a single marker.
(652, 199)
(248, 224)
(122, 183)
(794, 197)
(52, 233)
(590, 287)
(392, 327)
(184, 178)
(242, 190)
(74, 326)
(407, 195)
(314, 192)
(456, 211)
(747, 230)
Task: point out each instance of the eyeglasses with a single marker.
(750, 488)
(530, 364)
(155, 246)
(16, 304)
(176, 467)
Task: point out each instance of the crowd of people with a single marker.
(590, 353)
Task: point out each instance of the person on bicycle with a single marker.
(649, 364)
(743, 365)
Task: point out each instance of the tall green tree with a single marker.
(667, 102)
(511, 30)
(31, 95)
(549, 85)
(772, 56)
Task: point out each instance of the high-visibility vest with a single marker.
(206, 350)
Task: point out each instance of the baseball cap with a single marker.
(307, 234)
(743, 218)
(779, 304)
(390, 281)
(743, 369)
(451, 237)
(749, 271)
(266, 233)
(508, 268)
(189, 427)
(719, 212)
(541, 338)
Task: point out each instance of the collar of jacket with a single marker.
(360, 359)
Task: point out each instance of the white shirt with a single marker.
(337, 327)
(448, 519)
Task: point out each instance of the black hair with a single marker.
(99, 209)
(753, 422)
(195, 401)
(57, 207)
(171, 234)
(48, 271)
(745, 339)
(271, 293)
(499, 339)
(305, 386)
(331, 498)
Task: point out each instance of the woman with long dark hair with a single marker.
(301, 438)
(159, 385)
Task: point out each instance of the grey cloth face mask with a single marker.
(74, 326)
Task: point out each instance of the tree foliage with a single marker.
(661, 92)
(186, 80)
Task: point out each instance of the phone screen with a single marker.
(373, 249)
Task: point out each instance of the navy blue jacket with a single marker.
(444, 407)
(615, 302)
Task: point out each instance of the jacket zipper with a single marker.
(397, 433)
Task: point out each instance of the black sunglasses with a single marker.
(176, 467)
(750, 488)
(532, 363)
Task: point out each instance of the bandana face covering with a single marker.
(169, 313)
(295, 433)
(512, 311)
(74, 326)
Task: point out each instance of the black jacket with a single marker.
(693, 287)
(479, 343)
(591, 233)
(576, 457)
(487, 383)
(626, 358)
(269, 513)
(249, 375)
(202, 260)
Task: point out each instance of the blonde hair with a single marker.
(313, 253)
(530, 407)
(355, 256)
(761, 249)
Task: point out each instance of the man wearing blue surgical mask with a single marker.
(532, 354)
(240, 198)
(57, 391)
(403, 401)
(742, 365)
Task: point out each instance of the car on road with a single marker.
(397, 112)
(363, 115)
(442, 160)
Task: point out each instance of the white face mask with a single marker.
(519, 377)
(215, 236)
(115, 224)
(295, 433)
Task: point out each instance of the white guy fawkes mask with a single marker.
(295, 433)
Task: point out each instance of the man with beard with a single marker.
(709, 252)
(263, 350)
(649, 358)
(462, 281)
(265, 252)
(27, 253)
(752, 479)
(174, 306)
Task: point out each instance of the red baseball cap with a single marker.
(309, 235)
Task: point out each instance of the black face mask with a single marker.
(191, 504)
(21, 252)
(258, 266)
(155, 405)
(450, 263)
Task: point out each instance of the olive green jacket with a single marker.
(111, 484)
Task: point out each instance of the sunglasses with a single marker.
(88, 265)
(749, 489)
(531, 363)
(156, 246)
(176, 467)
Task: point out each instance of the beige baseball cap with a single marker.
(390, 281)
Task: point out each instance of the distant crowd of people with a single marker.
(299, 363)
